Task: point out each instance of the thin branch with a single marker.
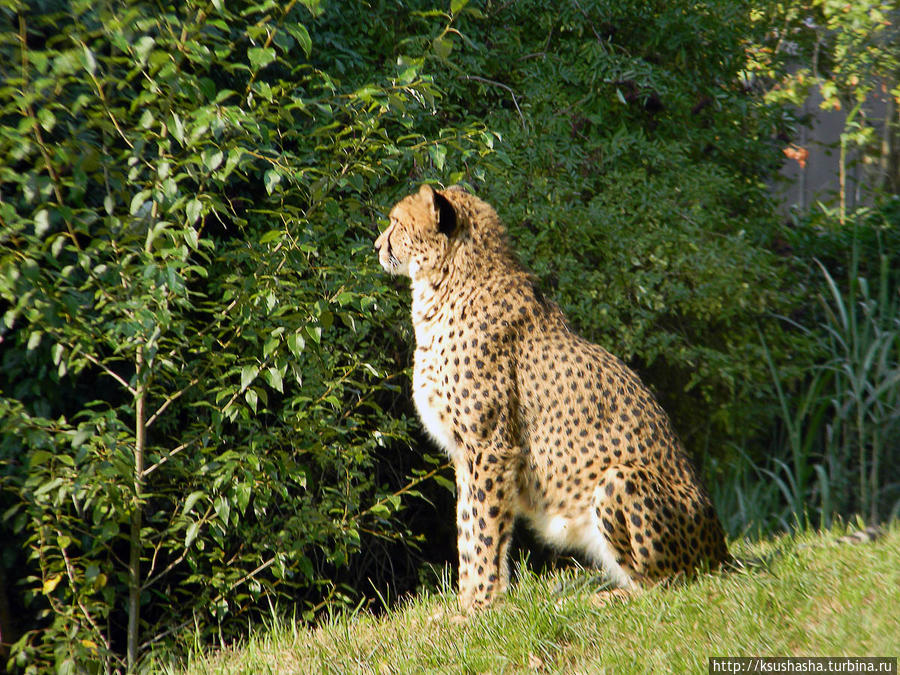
(118, 378)
(39, 138)
(152, 580)
(136, 543)
(168, 400)
(246, 577)
(165, 459)
(406, 488)
(71, 575)
(588, 19)
(484, 80)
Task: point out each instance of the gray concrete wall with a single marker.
(802, 187)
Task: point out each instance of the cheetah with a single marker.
(539, 423)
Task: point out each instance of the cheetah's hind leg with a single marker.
(652, 530)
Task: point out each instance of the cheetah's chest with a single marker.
(431, 402)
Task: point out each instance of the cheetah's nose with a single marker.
(379, 242)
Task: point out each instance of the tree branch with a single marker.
(168, 400)
(118, 378)
(484, 80)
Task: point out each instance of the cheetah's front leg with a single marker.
(484, 520)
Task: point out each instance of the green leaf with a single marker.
(138, 201)
(270, 236)
(80, 437)
(142, 48)
(47, 119)
(234, 158)
(89, 61)
(192, 500)
(41, 223)
(296, 343)
(242, 496)
(260, 57)
(301, 35)
(270, 346)
(223, 509)
(34, 340)
(191, 533)
(248, 374)
(252, 398)
(273, 377)
(306, 567)
(191, 238)
(193, 210)
(177, 128)
(314, 6)
(438, 154)
(271, 178)
(58, 242)
(39, 457)
(46, 487)
(442, 47)
(456, 5)
(213, 158)
(445, 483)
(315, 332)
(366, 93)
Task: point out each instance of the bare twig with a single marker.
(588, 19)
(246, 577)
(494, 83)
(175, 451)
(118, 378)
(71, 575)
(39, 139)
(168, 400)
(406, 488)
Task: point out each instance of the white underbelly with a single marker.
(579, 530)
(564, 531)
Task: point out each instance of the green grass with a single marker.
(812, 599)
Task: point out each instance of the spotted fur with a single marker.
(540, 424)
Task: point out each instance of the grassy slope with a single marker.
(813, 599)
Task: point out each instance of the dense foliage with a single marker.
(634, 186)
(203, 405)
(199, 365)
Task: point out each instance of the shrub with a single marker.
(198, 381)
(632, 180)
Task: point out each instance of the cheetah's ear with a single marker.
(446, 214)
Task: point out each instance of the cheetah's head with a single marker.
(419, 237)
